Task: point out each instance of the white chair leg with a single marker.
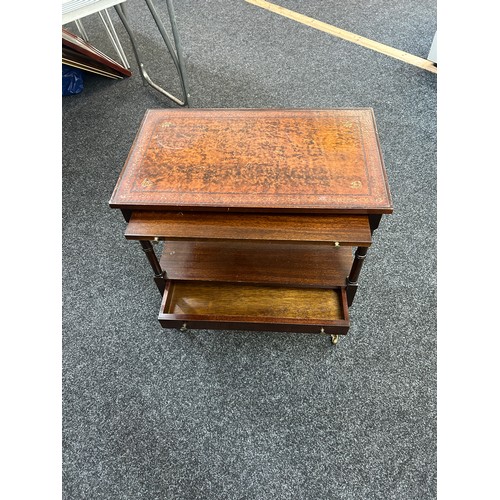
(81, 29)
(110, 29)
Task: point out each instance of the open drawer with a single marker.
(236, 306)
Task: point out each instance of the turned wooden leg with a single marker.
(160, 276)
(352, 280)
(374, 220)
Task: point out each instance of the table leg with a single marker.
(374, 221)
(352, 280)
(177, 57)
(160, 276)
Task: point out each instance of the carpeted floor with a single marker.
(152, 413)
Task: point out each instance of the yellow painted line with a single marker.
(347, 35)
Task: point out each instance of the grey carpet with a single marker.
(150, 413)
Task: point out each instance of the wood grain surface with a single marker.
(228, 299)
(346, 230)
(308, 265)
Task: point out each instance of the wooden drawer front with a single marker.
(352, 230)
(196, 304)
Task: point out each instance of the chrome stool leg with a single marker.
(81, 29)
(110, 30)
(176, 54)
(178, 46)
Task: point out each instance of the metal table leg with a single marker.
(175, 50)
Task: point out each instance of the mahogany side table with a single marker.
(266, 214)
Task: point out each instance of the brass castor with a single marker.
(335, 338)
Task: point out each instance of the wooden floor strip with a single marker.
(346, 35)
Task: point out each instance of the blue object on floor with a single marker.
(72, 80)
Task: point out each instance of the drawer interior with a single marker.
(244, 305)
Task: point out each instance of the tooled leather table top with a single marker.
(273, 160)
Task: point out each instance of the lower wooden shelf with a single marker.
(212, 305)
(288, 264)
